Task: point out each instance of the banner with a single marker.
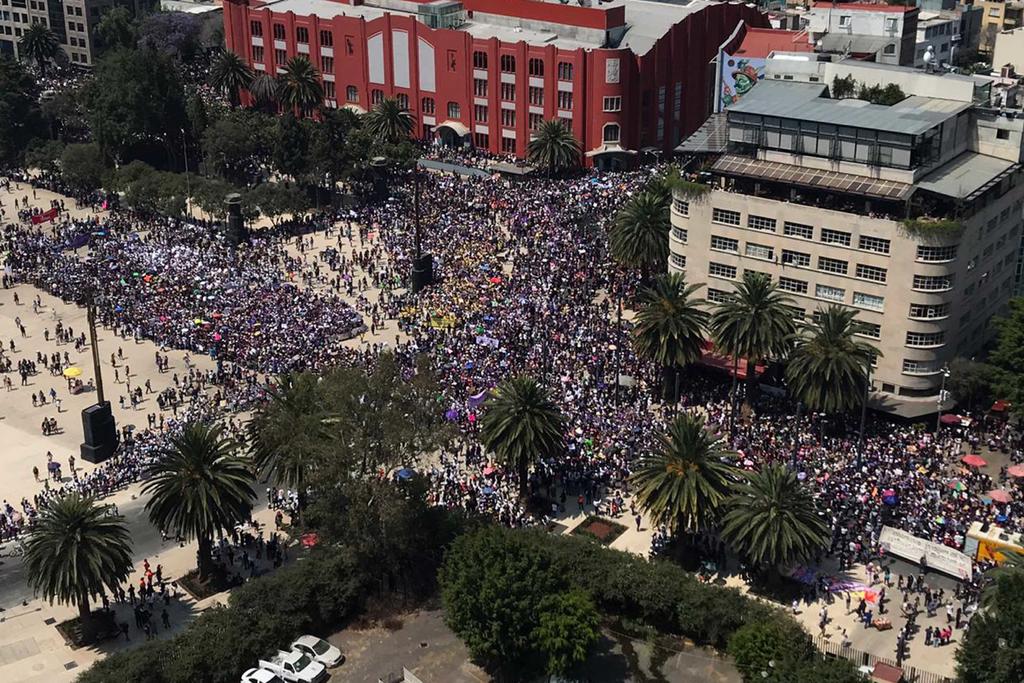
(47, 215)
(939, 557)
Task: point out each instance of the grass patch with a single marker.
(605, 531)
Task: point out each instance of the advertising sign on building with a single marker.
(938, 557)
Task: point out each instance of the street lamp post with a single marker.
(942, 399)
(864, 413)
(188, 184)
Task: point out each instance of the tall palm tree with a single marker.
(772, 519)
(288, 434)
(669, 327)
(299, 87)
(200, 486)
(389, 121)
(230, 74)
(554, 147)
(639, 234)
(75, 550)
(521, 425)
(684, 482)
(263, 89)
(828, 367)
(39, 42)
(755, 322)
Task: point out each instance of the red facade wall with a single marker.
(681, 57)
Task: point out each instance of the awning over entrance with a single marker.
(458, 128)
(613, 148)
(355, 107)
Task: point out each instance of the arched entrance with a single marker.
(612, 157)
(451, 133)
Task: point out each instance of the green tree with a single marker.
(75, 550)
(521, 425)
(684, 481)
(992, 650)
(971, 382)
(19, 115)
(230, 74)
(291, 146)
(568, 626)
(199, 486)
(116, 30)
(639, 234)
(553, 147)
(769, 647)
(755, 323)
(44, 155)
(39, 43)
(669, 327)
(828, 366)
(65, 115)
(389, 122)
(198, 122)
(1008, 355)
(772, 520)
(263, 89)
(235, 141)
(299, 87)
(82, 165)
(843, 87)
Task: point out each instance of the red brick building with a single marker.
(628, 76)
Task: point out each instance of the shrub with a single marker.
(767, 645)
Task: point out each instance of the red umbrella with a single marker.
(1016, 471)
(973, 460)
(999, 406)
(950, 419)
(310, 539)
(1000, 496)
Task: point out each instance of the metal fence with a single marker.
(911, 674)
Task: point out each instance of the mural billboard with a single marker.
(739, 75)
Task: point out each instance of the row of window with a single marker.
(800, 259)
(801, 230)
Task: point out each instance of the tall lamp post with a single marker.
(942, 399)
(188, 184)
(99, 431)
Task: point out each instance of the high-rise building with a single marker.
(629, 77)
(909, 213)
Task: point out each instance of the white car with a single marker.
(260, 676)
(296, 667)
(320, 650)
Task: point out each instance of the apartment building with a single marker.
(887, 33)
(910, 214)
(997, 16)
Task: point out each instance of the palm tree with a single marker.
(772, 519)
(755, 322)
(288, 434)
(554, 147)
(263, 89)
(521, 425)
(639, 234)
(39, 42)
(1009, 570)
(828, 367)
(683, 483)
(75, 550)
(200, 486)
(389, 121)
(299, 87)
(669, 327)
(230, 74)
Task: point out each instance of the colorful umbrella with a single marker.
(1000, 496)
(974, 460)
(950, 419)
(1016, 471)
(72, 372)
(957, 485)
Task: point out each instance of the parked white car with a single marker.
(320, 650)
(296, 667)
(260, 676)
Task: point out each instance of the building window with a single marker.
(536, 96)
(725, 216)
(255, 27)
(508, 145)
(1003, 134)
(677, 260)
(929, 311)
(761, 223)
(869, 329)
(925, 339)
(875, 303)
(565, 71)
(479, 87)
(454, 111)
(717, 296)
(611, 132)
(376, 96)
(508, 118)
(873, 273)
(798, 230)
(302, 35)
(350, 45)
(832, 265)
(933, 283)
(919, 367)
(724, 244)
(280, 57)
(327, 65)
(613, 104)
(257, 54)
(796, 258)
(536, 67)
(508, 66)
(759, 251)
(403, 100)
(329, 90)
(792, 285)
(351, 94)
(844, 21)
(481, 140)
(480, 113)
(681, 207)
(508, 92)
(278, 31)
(722, 270)
(835, 237)
(479, 60)
(679, 234)
(326, 39)
(427, 105)
(564, 100)
(536, 121)
(829, 293)
(934, 254)
(876, 244)
(889, 49)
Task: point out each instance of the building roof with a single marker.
(648, 20)
(854, 43)
(804, 102)
(846, 183)
(189, 7)
(864, 7)
(760, 42)
(967, 175)
(712, 137)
